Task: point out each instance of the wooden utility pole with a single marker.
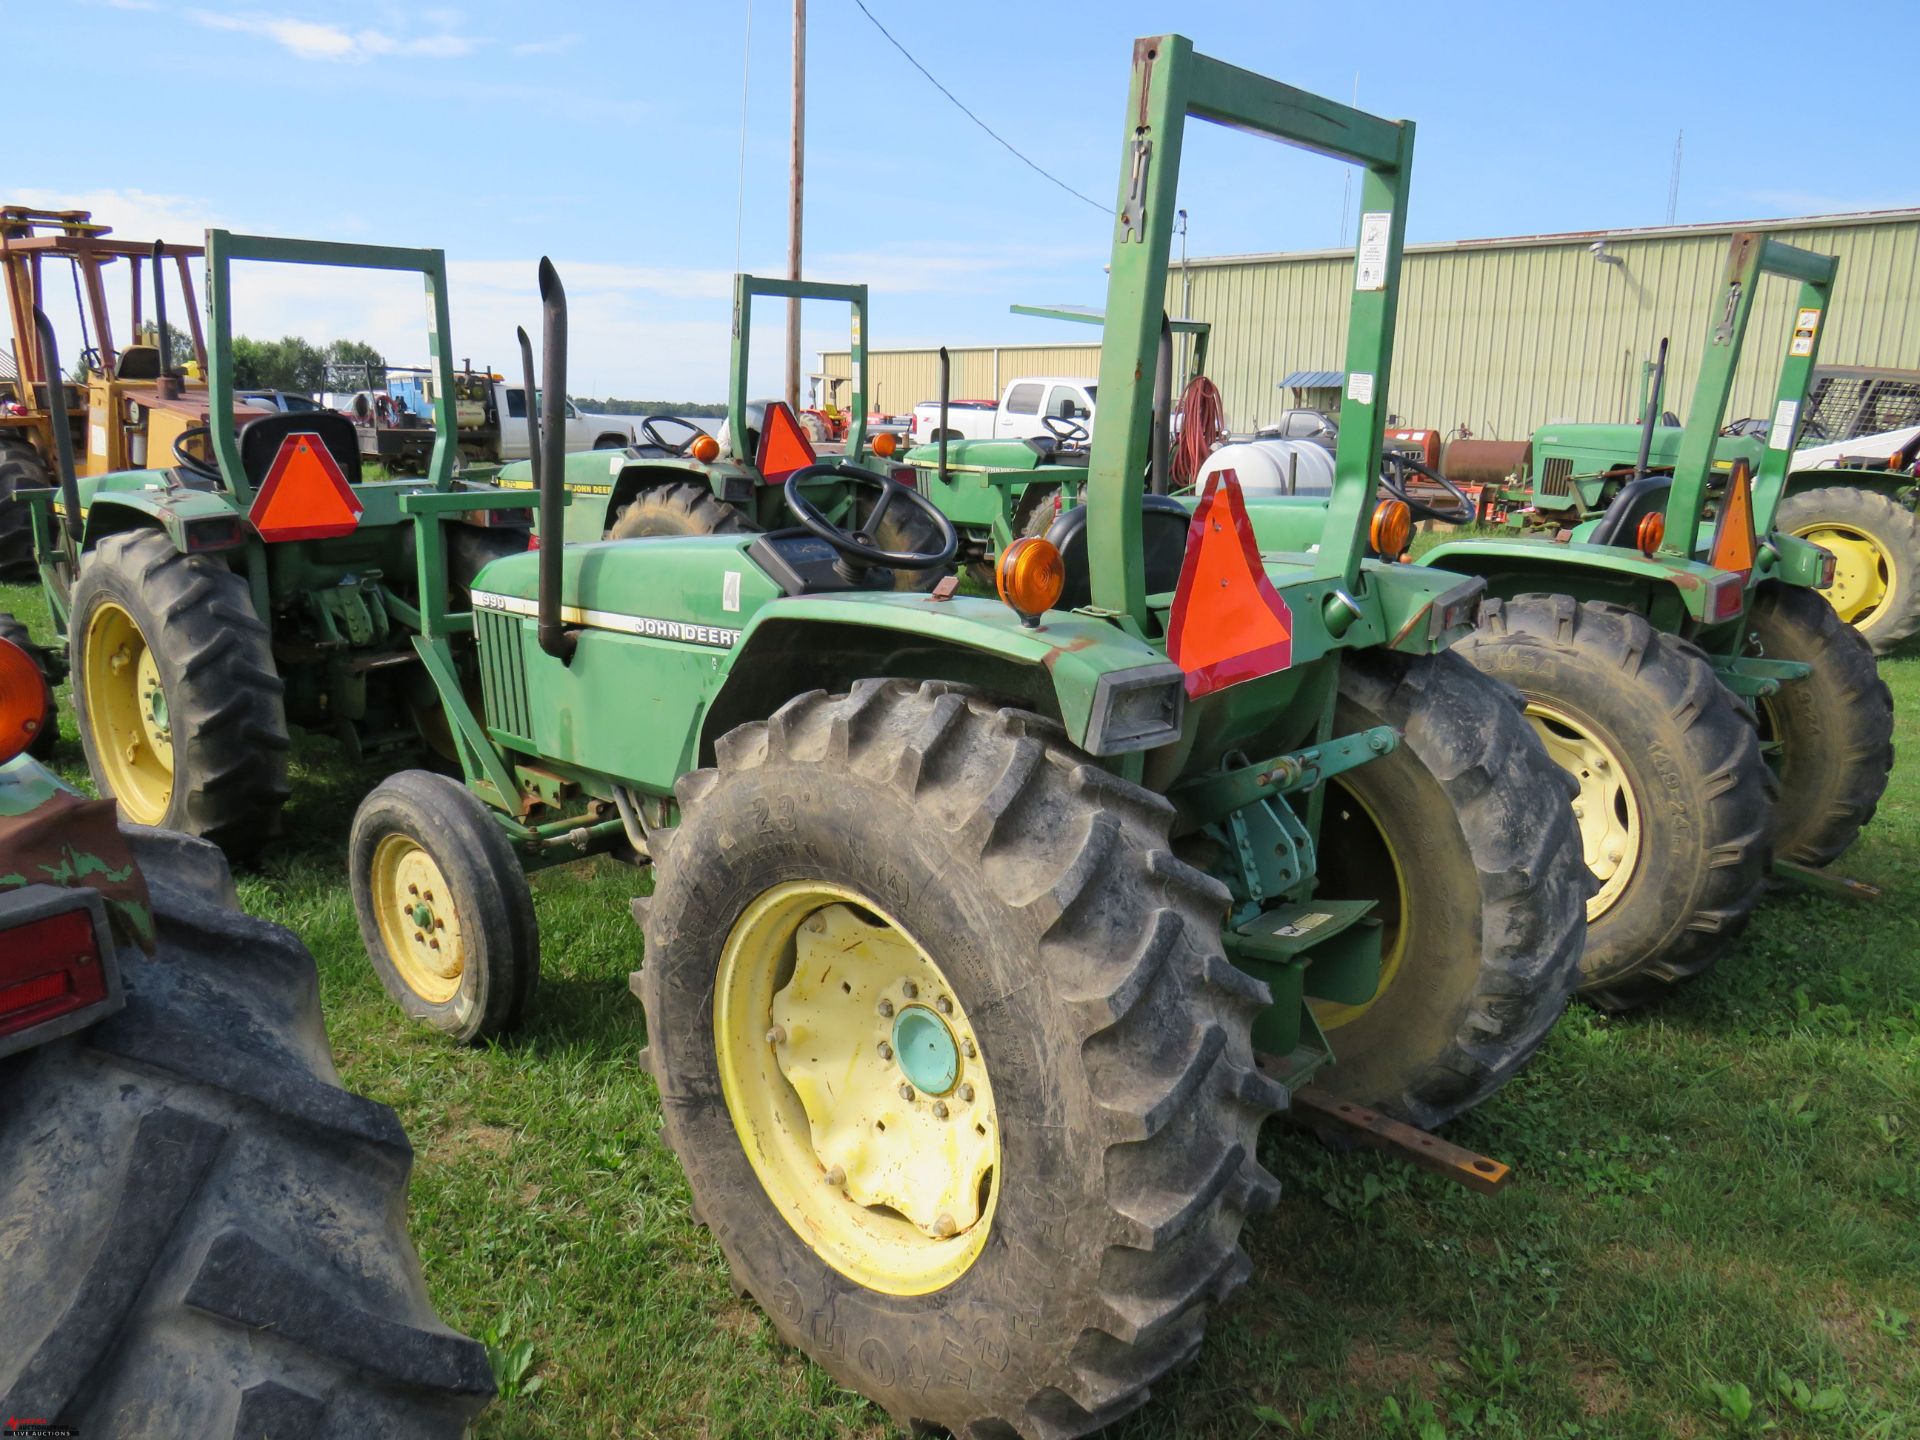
(794, 198)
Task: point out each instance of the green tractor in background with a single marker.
(206, 607)
(986, 933)
(1684, 677)
(1860, 508)
(680, 480)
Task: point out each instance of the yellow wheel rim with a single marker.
(418, 925)
(127, 716)
(857, 1088)
(1359, 825)
(1606, 808)
(1863, 572)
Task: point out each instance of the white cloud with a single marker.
(559, 45)
(317, 40)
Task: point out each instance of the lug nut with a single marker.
(944, 1226)
(886, 1008)
(886, 1051)
(966, 1048)
(966, 1093)
(776, 1036)
(909, 989)
(906, 1091)
(939, 1109)
(836, 1177)
(413, 889)
(943, 1005)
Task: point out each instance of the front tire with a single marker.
(680, 507)
(205, 1234)
(1673, 791)
(444, 906)
(180, 709)
(1829, 737)
(1464, 835)
(1875, 542)
(1109, 1032)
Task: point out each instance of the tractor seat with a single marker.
(260, 441)
(1163, 539)
(1637, 500)
(138, 362)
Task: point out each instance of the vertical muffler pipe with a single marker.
(167, 387)
(945, 375)
(1648, 420)
(547, 442)
(1162, 409)
(62, 438)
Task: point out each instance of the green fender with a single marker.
(194, 520)
(1661, 587)
(1896, 485)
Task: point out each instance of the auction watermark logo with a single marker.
(26, 1425)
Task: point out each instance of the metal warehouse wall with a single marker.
(1503, 335)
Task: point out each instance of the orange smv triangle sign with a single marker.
(304, 497)
(1228, 623)
(1733, 539)
(783, 445)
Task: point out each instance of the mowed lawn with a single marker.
(1713, 1226)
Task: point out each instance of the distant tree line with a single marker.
(291, 363)
(650, 407)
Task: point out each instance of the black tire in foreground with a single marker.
(205, 1235)
(208, 757)
(444, 906)
(1675, 798)
(1829, 737)
(1464, 836)
(16, 631)
(1876, 541)
(21, 468)
(1107, 1034)
(679, 507)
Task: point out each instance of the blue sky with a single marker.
(609, 136)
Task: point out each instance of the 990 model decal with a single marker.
(652, 627)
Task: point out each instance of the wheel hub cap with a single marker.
(127, 721)
(1605, 808)
(417, 924)
(928, 1054)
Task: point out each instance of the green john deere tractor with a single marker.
(206, 606)
(1712, 705)
(679, 480)
(1860, 509)
(985, 935)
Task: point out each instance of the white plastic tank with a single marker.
(1273, 467)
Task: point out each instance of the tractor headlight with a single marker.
(1136, 709)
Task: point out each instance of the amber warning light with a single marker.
(304, 497)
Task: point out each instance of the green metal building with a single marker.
(1497, 335)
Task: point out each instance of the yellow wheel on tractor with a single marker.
(961, 1077)
(1475, 967)
(444, 906)
(1607, 809)
(181, 711)
(1875, 542)
(857, 1088)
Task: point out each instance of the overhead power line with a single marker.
(1038, 170)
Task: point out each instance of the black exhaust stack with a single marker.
(168, 385)
(1652, 417)
(62, 438)
(547, 453)
(945, 376)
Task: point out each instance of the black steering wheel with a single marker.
(858, 547)
(1397, 465)
(1065, 430)
(650, 433)
(191, 462)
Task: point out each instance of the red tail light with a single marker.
(57, 968)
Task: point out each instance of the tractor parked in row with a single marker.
(209, 599)
(985, 933)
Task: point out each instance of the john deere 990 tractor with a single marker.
(205, 606)
(1682, 674)
(985, 933)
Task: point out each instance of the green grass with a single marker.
(1715, 1211)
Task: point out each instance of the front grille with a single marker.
(1556, 475)
(503, 678)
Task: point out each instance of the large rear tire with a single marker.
(205, 1235)
(1829, 737)
(1674, 796)
(1875, 542)
(181, 711)
(1095, 1066)
(1465, 837)
(21, 468)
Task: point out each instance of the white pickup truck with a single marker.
(1023, 411)
(509, 415)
